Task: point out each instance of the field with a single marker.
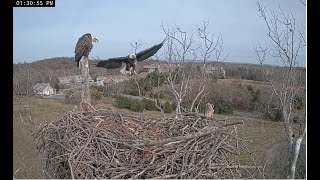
(263, 134)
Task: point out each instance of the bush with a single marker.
(167, 108)
(274, 115)
(131, 88)
(278, 115)
(149, 105)
(187, 105)
(156, 79)
(222, 107)
(132, 104)
(123, 102)
(298, 102)
(155, 94)
(98, 88)
(57, 87)
(174, 105)
(202, 107)
(136, 106)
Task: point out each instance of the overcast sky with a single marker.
(40, 33)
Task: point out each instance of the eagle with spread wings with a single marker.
(130, 60)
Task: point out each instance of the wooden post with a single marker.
(85, 103)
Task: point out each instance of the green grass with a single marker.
(26, 159)
(262, 134)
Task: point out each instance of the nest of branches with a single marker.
(98, 144)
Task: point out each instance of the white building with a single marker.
(73, 80)
(110, 79)
(44, 89)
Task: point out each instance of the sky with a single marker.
(40, 33)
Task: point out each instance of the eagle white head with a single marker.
(94, 38)
(132, 56)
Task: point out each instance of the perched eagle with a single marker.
(130, 60)
(84, 46)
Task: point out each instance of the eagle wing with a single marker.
(83, 47)
(145, 54)
(113, 63)
(116, 62)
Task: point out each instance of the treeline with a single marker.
(26, 75)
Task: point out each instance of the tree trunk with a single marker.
(295, 154)
(85, 103)
(178, 108)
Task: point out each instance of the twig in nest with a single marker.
(97, 144)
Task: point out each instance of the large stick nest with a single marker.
(101, 144)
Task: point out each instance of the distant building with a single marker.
(73, 80)
(150, 68)
(110, 79)
(217, 71)
(44, 89)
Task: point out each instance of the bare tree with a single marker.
(285, 45)
(179, 47)
(184, 78)
(137, 45)
(210, 50)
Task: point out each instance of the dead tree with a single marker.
(211, 49)
(179, 46)
(286, 43)
(85, 103)
(184, 78)
(136, 45)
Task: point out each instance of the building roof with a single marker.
(41, 86)
(77, 78)
(214, 68)
(151, 66)
(112, 78)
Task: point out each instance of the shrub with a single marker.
(149, 105)
(155, 94)
(136, 106)
(278, 115)
(187, 105)
(201, 108)
(167, 108)
(57, 87)
(274, 115)
(98, 88)
(298, 102)
(123, 102)
(174, 105)
(131, 88)
(222, 107)
(156, 79)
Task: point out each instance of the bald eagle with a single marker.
(84, 46)
(130, 60)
